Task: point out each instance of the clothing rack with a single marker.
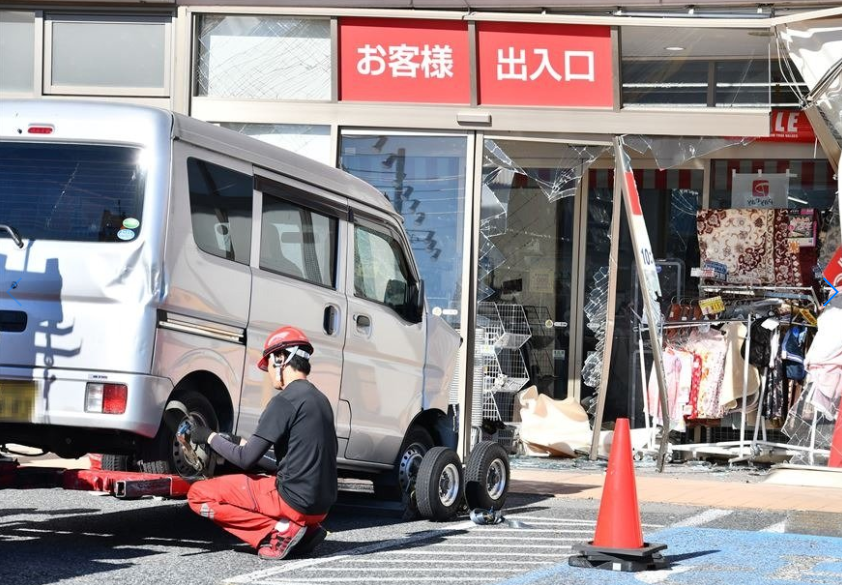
(746, 450)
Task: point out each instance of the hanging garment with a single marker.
(824, 360)
(792, 352)
(774, 406)
(759, 351)
(734, 378)
(678, 373)
(742, 240)
(712, 348)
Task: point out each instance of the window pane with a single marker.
(71, 192)
(298, 242)
(220, 209)
(676, 67)
(17, 40)
(304, 139)
(109, 54)
(424, 178)
(264, 57)
(379, 270)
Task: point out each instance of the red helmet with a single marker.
(285, 338)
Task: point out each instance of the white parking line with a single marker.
(422, 553)
(702, 518)
(257, 576)
(780, 527)
(454, 561)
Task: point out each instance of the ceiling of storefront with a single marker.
(649, 42)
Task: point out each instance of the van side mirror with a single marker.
(416, 301)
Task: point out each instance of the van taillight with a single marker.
(106, 398)
(41, 129)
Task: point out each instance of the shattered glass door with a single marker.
(525, 274)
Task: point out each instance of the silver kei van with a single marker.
(144, 258)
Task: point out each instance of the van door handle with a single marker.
(329, 323)
(363, 323)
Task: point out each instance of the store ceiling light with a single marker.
(674, 48)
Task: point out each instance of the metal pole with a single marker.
(609, 314)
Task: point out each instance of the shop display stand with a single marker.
(742, 450)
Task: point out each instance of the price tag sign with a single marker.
(712, 306)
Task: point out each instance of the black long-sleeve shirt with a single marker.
(254, 453)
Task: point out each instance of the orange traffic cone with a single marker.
(618, 541)
(836, 443)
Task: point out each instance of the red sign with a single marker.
(789, 126)
(545, 65)
(393, 60)
(833, 272)
(634, 197)
(760, 188)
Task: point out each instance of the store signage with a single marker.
(833, 272)
(396, 60)
(545, 65)
(767, 190)
(789, 126)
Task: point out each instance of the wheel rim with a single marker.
(410, 462)
(449, 485)
(495, 479)
(180, 463)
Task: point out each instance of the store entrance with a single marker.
(525, 278)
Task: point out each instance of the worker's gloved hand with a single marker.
(199, 434)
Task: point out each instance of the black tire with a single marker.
(115, 462)
(439, 487)
(487, 476)
(398, 482)
(163, 454)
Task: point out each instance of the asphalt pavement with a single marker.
(47, 536)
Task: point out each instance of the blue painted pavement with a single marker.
(700, 556)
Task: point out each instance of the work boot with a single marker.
(313, 537)
(281, 543)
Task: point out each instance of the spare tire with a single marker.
(487, 476)
(439, 487)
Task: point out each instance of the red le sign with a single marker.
(395, 60)
(545, 65)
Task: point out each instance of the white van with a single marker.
(145, 256)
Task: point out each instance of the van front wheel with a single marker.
(163, 454)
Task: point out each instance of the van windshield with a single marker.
(71, 192)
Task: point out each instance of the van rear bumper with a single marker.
(59, 400)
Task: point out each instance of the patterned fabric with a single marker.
(785, 260)
(755, 246)
(741, 239)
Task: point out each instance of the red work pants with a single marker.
(247, 506)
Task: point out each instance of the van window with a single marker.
(298, 242)
(380, 270)
(71, 192)
(220, 209)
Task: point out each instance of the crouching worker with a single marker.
(279, 514)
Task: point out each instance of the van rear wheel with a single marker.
(163, 454)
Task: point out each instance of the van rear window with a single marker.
(71, 192)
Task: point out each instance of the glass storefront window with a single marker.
(108, 55)
(525, 273)
(308, 140)
(263, 57)
(424, 177)
(687, 67)
(810, 182)
(669, 200)
(17, 50)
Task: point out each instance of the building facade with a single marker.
(488, 125)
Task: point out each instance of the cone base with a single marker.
(631, 560)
